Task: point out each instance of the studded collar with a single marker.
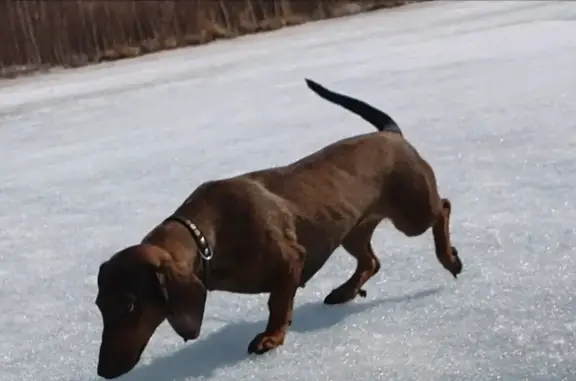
(204, 249)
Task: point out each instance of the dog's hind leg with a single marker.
(446, 253)
(357, 243)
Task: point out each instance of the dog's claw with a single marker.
(457, 268)
(362, 293)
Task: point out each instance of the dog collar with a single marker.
(204, 249)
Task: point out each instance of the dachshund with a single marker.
(270, 231)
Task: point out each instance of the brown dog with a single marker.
(270, 231)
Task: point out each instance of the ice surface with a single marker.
(93, 158)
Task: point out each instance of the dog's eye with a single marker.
(128, 304)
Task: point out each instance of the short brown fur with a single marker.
(271, 231)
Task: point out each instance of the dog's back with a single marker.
(341, 168)
(344, 186)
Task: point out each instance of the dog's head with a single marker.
(138, 288)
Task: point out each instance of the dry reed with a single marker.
(36, 34)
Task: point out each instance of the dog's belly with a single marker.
(313, 263)
(319, 248)
(320, 237)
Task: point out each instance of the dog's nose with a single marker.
(113, 363)
(107, 373)
(110, 369)
(191, 335)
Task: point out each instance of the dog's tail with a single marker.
(377, 118)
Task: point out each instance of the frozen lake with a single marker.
(93, 158)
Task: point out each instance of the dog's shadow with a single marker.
(228, 346)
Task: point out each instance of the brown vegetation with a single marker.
(37, 34)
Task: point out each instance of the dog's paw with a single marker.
(457, 265)
(343, 295)
(263, 342)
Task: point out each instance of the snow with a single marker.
(93, 158)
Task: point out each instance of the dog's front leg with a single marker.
(280, 305)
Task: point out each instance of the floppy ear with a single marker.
(185, 298)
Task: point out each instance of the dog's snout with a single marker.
(115, 361)
(108, 371)
(111, 367)
(102, 372)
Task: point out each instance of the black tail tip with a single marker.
(312, 85)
